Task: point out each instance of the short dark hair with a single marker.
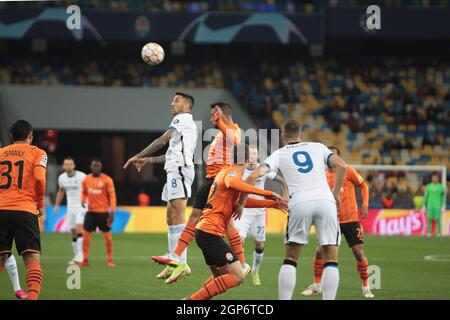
(224, 106)
(239, 150)
(335, 148)
(20, 130)
(96, 160)
(187, 97)
(69, 158)
(291, 128)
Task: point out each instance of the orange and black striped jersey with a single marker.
(22, 178)
(224, 193)
(348, 210)
(99, 192)
(219, 155)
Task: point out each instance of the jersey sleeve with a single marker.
(354, 176)
(40, 159)
(325, 153)
(273, 162)
(177, 123)
(60, 178)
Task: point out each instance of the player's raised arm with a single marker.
(156, 145)
(142, 162)
(225, 124)
(336, 162)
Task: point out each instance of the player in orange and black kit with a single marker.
(224, 196)
(350, 227)
(98, 190)
(219, 157)
(22, 188)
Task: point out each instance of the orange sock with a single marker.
(34, 280)
(214, 287)
(362, 266)
(236, 244)
(186, 238)
(318, 270)
(86, 245)
(109, 244)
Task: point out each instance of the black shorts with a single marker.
(92, 220)
(23, 228)
(353, 233)
(215, 250)
(201, 196)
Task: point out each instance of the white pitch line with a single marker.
(438, 258)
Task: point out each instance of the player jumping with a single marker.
(70, 182)
(350, 227)
(22, 188)
(253, 220)
(225, 192)
(311, 203)
(219, 157)
(179, 165)
(98, 190)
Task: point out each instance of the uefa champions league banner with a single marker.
(208, 27)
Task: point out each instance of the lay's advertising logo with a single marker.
(400, 222)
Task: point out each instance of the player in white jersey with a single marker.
(70, 183)
(253, 220)
(311, 202)
(179, 165)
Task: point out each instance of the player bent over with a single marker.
(350, 227)
(311, 202)
(22, 188)
(98, 190)
(253, 220)
(225, 193)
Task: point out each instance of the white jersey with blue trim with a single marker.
(182, 143)
(303, 166)
(259, 183)
(72, 187)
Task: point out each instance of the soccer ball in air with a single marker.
(152, 53)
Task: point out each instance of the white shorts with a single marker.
(252, 225)
(75, 216)
(179, 183)
(320, 213)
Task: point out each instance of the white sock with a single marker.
(286, 280)
(174, 236)
(330, 281)
(11, 267)
(79, 242)
(74, 248)
(258, 255)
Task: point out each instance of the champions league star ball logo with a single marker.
(229, 256)
(370, 21)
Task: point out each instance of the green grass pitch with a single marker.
(406, 273)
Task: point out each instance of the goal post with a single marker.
(409, 171)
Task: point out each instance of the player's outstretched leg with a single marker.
(236, 244)
(186, 238)
(13, 273)
(316, 287)
(287, 276)
(34, 274)
(226, 278)
(178, 208)
(362, 265)
(330, 281)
